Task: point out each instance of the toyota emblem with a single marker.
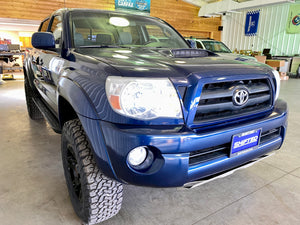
(240, 96)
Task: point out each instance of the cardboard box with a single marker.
(284, 77)
(261, 58)
(275, 63)
(282, 74)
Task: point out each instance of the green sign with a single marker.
(293, 23)
(138, 5)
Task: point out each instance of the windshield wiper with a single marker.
(151, 47)
(221, 52)
(102, 46)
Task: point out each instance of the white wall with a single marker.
(11, 35)
(14, 37)
(270, 34)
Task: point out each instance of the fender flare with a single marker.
(83, 106)
(28, 73)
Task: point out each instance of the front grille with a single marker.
(216, 100)
(208, 154)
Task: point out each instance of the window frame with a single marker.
(42, 23)
(57, 49)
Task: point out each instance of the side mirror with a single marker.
(43, 40)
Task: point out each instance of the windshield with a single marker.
(216, 46)
(92, 29)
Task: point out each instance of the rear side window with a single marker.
(44, 25)
(56, 29)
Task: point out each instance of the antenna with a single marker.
(64, 3)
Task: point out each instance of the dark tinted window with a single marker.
(199, 44)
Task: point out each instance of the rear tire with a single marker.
(33, 111)
(94, 196)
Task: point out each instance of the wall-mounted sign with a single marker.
(251, 24)
(293, 23)
(140, 5)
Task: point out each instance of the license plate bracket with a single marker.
(244, 142)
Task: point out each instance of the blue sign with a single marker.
(251, 24)
(141, 5)
(245, 141)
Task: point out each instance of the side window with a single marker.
(56, 29)
(199, 44)
(44, 25)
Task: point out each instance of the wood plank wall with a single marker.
(181, 15)
(39, 9)
(184, 18)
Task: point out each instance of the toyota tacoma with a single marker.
(135, 104)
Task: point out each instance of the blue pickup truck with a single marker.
(136, 105)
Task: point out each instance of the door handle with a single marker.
(37, 60)
(39, 75)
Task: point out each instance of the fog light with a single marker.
(137, 156)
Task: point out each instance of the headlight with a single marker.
(143, 98)
(277, 78)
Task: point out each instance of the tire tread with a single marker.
(103, 198)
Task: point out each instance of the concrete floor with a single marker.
(33, 189)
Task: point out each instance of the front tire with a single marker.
(94, 196)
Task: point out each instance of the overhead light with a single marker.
(232, 11)
(118, 21)
(19, 24)
(25, 34)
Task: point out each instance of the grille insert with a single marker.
(208, 154)
(216, 100)
(270, 134)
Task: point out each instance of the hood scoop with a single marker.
(191, 53)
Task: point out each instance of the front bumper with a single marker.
(173, 145)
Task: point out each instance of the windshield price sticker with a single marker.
(244, 142)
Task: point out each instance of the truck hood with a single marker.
(236, 56)
(146, 62)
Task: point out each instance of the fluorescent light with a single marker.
(19, 24)
(118, 21)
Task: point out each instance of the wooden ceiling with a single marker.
(39, 9)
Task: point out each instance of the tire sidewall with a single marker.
(101, 197)
(80, 208)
